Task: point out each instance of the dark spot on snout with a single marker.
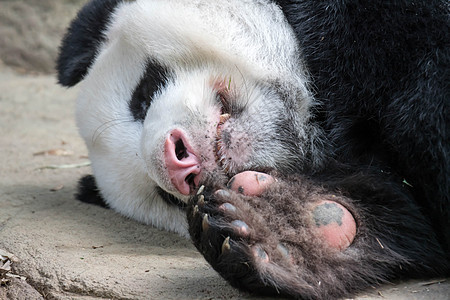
(226, 138)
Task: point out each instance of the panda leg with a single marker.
(88, 191)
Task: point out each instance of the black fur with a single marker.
(88, 191)
(381, 69)
(85, 34)
(154, 79)
(171, 199)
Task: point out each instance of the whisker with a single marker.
(146, 167)
(106, 123)
(105, 126)
(245, 90)
(245, 85)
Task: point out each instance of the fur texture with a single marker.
(387, 88)
(384, 247)
(343, 101)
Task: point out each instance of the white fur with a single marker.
(199, 41)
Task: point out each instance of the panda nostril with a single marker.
(190, 180)
(180, 150)
(182, 163)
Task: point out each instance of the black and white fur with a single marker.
(345, 99)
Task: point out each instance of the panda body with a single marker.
(180, 98)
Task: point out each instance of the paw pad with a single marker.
(227, 207)
(260, 254)
(222, 193)
(241, 227)
(250, 183)
(334, 223)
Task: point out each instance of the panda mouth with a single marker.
(220, 157)
(223, 88)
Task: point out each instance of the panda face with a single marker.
(224, 122)
(183, 92)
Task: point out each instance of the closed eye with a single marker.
(224, 99)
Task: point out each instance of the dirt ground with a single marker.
(60, 248)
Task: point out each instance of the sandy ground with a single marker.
(64, 249)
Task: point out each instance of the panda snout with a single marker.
(183, 165)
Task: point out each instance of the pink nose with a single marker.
(182, 164)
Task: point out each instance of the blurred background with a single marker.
(31, 30)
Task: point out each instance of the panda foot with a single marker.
(263, 234)
(335, 224)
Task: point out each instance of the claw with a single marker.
(195, 211)
(201, 200)
(226, 245)
(205, 224)
(200, 189)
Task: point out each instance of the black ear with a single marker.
(80, 44)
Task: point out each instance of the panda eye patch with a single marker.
(154, 79)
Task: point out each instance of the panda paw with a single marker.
(274, 236)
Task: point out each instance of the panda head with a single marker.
(176, 93)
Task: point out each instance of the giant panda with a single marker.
(301, 145)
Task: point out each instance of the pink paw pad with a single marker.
(334, 223)
(250, 183)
